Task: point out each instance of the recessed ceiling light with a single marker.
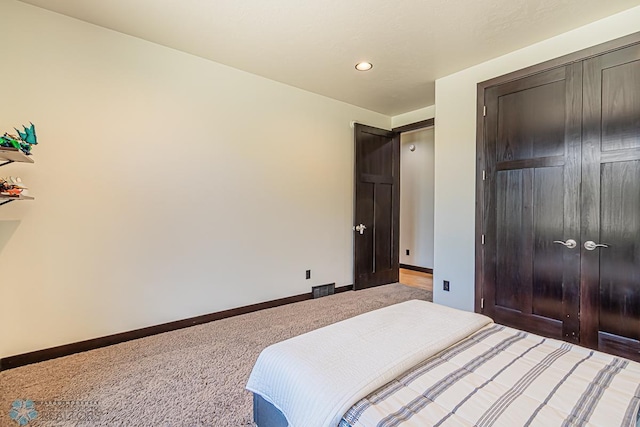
(364, 66)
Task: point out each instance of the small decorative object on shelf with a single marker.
(23, 142)
(11, 186)
(11, 189)
(16, 149)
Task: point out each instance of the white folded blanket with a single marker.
(314, 378)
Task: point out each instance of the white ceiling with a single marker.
(314, 45)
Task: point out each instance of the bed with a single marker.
(421, 364)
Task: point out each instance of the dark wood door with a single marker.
(531, 202)
(610, 298)
(562, 158)
(377, 206)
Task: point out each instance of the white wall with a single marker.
(416, 198)
(455, 141)
(167, 186)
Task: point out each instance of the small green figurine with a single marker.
(23, 142)
(29, 134)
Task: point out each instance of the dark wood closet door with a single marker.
(531, 200)
(610, 294)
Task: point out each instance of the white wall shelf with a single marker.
(7, 199)
(11, 155)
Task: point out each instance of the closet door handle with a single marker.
(591, 245)
(569, 243)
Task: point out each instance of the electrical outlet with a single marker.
(308, 274)
(407, 251)
(445, 285)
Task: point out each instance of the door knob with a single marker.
(360, 228)
(569, 243)
(591, 245)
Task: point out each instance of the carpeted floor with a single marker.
(190, 377)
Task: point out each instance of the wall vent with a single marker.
(323, 290)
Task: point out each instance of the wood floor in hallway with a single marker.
(416, 279)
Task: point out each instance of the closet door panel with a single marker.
(513, 241)
(620, 107)
(530, 216)
(548, 263)
(610, 210)
(533, 122)
(620, 262)
(531, 201)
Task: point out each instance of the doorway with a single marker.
(417, 207)
(377, 203)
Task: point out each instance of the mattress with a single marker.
(314, 378)
(505, 377)
(420, 364)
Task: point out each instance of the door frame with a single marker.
(423, 124)
(415, 126)
(561, 61)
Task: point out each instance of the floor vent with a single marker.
(323, 290)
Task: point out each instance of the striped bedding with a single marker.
(505, 377)
(314, 378)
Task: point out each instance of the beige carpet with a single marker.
(190, 377)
